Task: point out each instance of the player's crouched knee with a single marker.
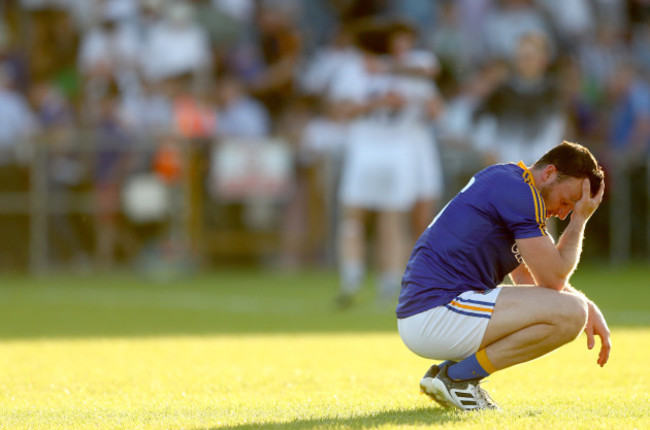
(574, 314)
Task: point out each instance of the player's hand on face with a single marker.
(394, 100)
(596, 325)
(587, 205)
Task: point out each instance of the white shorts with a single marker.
(452, 331)
(379, 170)
(427, 164)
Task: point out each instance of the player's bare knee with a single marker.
(574, 314)
(351, 228)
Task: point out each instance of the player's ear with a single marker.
(549, 173)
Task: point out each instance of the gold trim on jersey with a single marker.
(540, 207)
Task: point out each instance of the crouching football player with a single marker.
(452, 307)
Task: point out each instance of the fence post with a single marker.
(647, 205)
(619, 213)
(38, 246)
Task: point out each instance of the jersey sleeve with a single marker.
(348, 84)
(522, 210)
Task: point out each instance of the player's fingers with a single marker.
(603, 356)
(586, 189)
(601, 192)
(589, 330)
(605, 349)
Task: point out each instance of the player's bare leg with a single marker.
(352, 253)
(392, 252)
(528, 322)
(421, 215)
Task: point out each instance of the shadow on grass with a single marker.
(420, 416)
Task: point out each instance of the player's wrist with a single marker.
(578, 221)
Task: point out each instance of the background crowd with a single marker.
(460, 84)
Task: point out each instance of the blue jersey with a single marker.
(470, 245)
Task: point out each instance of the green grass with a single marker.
(237, 349)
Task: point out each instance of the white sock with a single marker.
(389, 284)
(352, 274)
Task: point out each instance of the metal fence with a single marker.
(64, 175)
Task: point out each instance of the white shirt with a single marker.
(322, 68)
(171, 51)
(243, 118)
(16, 118)
(119, 49)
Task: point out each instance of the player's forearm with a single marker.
(522, 276)
(570, 247)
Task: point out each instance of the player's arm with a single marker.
(552, 265)
(521, 276)
(596, 325)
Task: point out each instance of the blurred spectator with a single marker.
(280, 47)
(640, 47)
(508, 22)
(628, 160)
(52, 45)
(146, 111)
(319, 69)
(599, 58)
(113, 157)
(238, 114)
(240, 10)
(455, 123)
(224, 23)
(572, 20)
(451, 44)
(421, 13)
(523, 118)
(630, 136)
(176, 46)
(12, 60)
(354, 11)
(194, 114)
(584, 107)
(638, 11)
(17, 124)
(66, 173)
(52, 108)
(17, 121)
(318, 20)
(455, 127)
(472, 17)
(324, 135)
(110, 48)
(110, 51)
(150, 14)
(320, 148)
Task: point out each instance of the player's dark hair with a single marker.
(573, 160)
(402, 26)
(371, 35)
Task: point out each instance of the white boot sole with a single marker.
(436, 390)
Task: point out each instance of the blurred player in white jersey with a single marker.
(379, 175)
(413, 72)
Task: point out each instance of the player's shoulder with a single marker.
(511, 183)
(507, 174)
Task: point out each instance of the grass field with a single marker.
(256, 349)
